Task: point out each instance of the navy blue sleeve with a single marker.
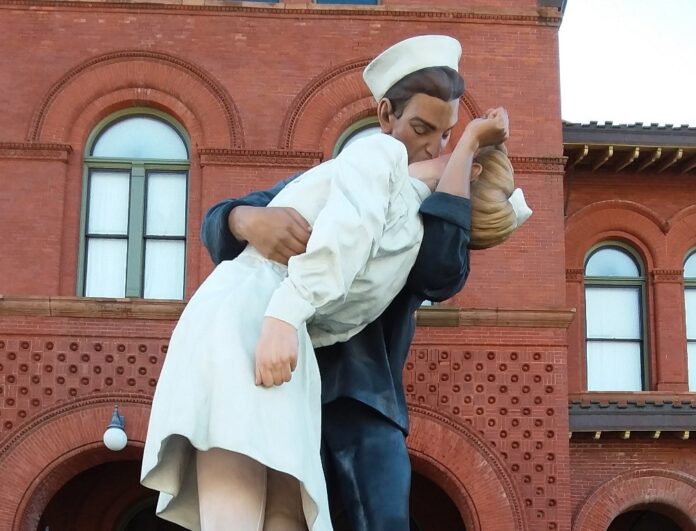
(215, 232)
(442, 265)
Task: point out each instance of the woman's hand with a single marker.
(491, 130)
(276, 352)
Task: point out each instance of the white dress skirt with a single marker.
(366, 231)
(207, 398)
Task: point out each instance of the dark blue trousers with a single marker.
(367, 468)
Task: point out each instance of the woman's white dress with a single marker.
(366, 231)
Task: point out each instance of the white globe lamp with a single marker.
(115, 437)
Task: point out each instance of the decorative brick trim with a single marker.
(473, 108)
(500, 470)
(636, 488)
(247, 157)
(232, 115)
(672, 276)
(287, 131)
(541, 17)
(593, 210)
(545, 165)
(575, 275)
(444, 317)
(301, 102)
(66, 408)
(34, 151)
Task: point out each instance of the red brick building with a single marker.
(109, 107)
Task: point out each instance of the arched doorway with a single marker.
(142, 517)
(431, 508)
(105, 496)
(643, 520)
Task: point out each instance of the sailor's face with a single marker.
(425, 126)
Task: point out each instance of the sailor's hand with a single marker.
(276, 352)
(278, 233)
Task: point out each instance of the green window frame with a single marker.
(139, 171)
(690, 315)
(354, 130)
(613, 337)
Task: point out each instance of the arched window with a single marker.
(360, 129)
(613, 320)
(690, 300)
(134, 208)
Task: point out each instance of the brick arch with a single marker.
(331, 102)
(60, 443)
(467, 469)
(669, 492)
(620, 220)
(681, 236)
(139, 76)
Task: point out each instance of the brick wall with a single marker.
(263, 92)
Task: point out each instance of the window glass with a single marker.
(613, 312)
(106, 267)
(166, 204)
(690, 299)
(692, 365)
(108, 202)
(164, 269)
(690, 267)
(611, 262)
(140, 137)
(614, 366)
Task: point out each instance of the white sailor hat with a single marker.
(408, 56)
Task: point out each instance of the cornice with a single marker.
(540, 17)
(90, 307)
(34, 151)
(249, 157)
(39, 306)
(498, 317)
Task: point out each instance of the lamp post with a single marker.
(115, 437)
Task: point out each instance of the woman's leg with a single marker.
(284, 504)
(231, 491)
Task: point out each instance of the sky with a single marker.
(629, 61)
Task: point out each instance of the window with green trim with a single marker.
(360, 129)
(134, 208)
(690, 302)
(614, 287)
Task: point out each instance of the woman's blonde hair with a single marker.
(493, 219)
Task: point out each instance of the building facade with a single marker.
(123, 122)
